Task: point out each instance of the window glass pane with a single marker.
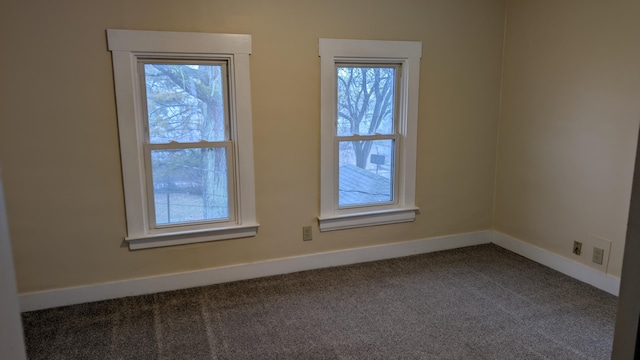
(189, 185)
(185, 103)
(365, 100)
(365, 172)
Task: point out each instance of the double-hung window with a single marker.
(184, 117)
(369, 103)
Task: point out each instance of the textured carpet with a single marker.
(480, 302)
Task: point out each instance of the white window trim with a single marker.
(408, 54)
(126, 47)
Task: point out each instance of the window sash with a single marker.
(367, 137)
(395, 135)
(147, 146)
(397, 93)
(231, 188)
(185, 60)
(395, 178)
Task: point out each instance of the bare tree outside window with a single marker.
(365, 107)
(186, 104)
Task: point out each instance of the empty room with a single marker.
(305, 179)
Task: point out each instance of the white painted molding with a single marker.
(559, 263)
(129, 49)
(370, 218)
(141, 286)
(172, 42)
(407, 55)
(149, 285)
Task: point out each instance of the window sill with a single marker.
(371, 218)
(190, 237)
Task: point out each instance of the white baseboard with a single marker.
(111, 290)
(559, 263)
(140, 286)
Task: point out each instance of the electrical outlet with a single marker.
(577, 248)
(598, 255)
(597, 243)
(307, 233)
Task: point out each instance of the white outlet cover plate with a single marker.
(594, 241)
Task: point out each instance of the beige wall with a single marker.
(59, 143)
(569, 123)
(568, 126)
